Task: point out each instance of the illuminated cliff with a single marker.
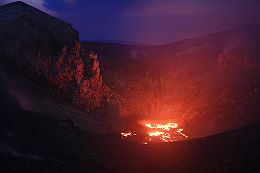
(47, 50)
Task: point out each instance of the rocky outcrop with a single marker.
(47, 50)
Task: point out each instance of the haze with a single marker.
(150, 21)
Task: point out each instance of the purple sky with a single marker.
(150, 21)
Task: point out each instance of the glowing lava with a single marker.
(160, 132)
(166, 126)
(156, 133)
(127, 134)
(165, 132)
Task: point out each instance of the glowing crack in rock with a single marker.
(160, 132)
(127, 134)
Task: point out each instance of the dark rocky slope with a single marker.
(47, 50)
(41, 142)
(31, 96)
(32, 142)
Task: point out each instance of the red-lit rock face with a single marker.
(47, 50)
(73, 73)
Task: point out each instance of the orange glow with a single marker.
(166, 126)
(156, 133)
(160, 132)
(167, 132)
(125, 135)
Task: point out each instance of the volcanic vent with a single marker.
(154, 132)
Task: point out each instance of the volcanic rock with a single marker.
(47, 50)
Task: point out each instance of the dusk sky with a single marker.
(150, 21)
